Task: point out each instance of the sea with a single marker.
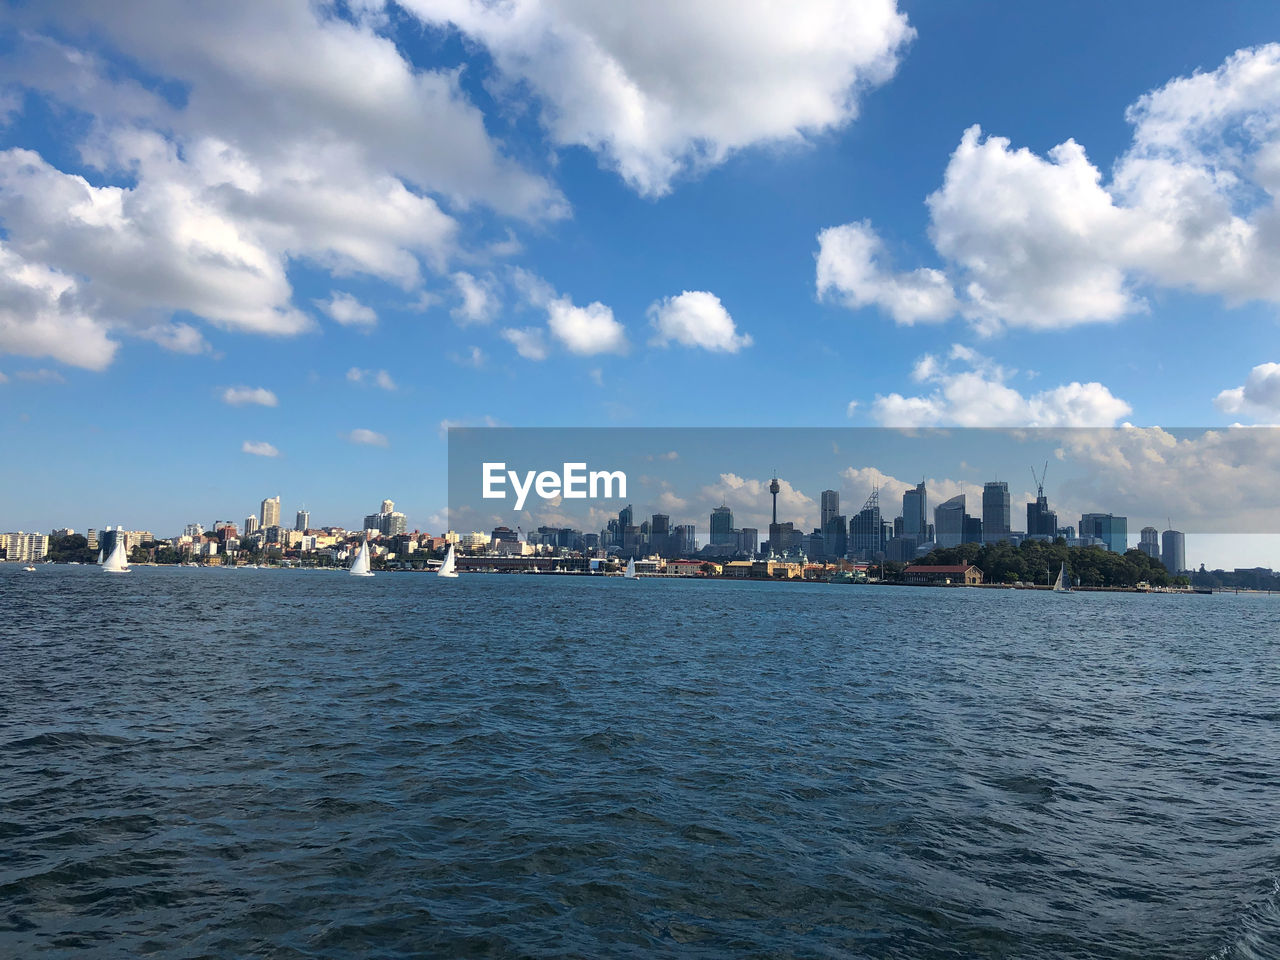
(302, 764)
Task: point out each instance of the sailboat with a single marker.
(99, 556)
(631, 569)
(117, 562)
(1062, 584)
(450, 566)
(360, 565)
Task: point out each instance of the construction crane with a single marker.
(1039, 480)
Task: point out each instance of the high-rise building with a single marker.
(659, 534)
(1173, 551)
(915, 513)
(389, 523)
(1042, 522)
(193, 530)
(995, 511)
(948, 519)
(866, 530)
(91, 535)
(683, 543)
(972, 529)
(1149, 542)
(1113, 531)
(271, 512)
(749, 541)
(835, 538)
(302, 521)
(250, 526)
(830, 508)
(722, 534)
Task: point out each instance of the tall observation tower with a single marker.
(774, 487)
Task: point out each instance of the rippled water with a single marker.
(229, 763)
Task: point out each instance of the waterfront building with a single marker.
(302, 520)
(955, 574)
(995, 511)
(271, 512)
(1111, 530)
(250, 526)
(1173, 551)
(24, 547)
(387, 521)
(915, 513)
(1149, 542)
(91, 535)
(948, 520)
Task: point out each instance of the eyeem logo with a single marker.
(573, 483)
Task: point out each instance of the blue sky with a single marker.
(683, 215)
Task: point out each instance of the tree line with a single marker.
(1038, 561)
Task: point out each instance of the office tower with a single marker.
(830, 501)
(948, 519)
(749, 541)
(1041, 521)
(866, 530)
(271, 512)
(659, 534)
(302, 521)
(624, 518)
(1113, 531)
(683, 542)
(1149, 542)
(915, 512)
(972, 529)
(995, 511)
(1173, 551)
(835, 538)
(722, 527)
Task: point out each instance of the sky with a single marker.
(254, 249)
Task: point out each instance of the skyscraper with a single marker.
(1149, 542)
(866, 529)
(250, 525)
(948, 519)
(830, 508)
(1113, 531)
(995, 511)
(722, 534)
(915, 513)
(1173, 551)
(303, 520)
(271, 512)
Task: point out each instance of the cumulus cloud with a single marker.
(528, 341)
(753, 504)
(345, 309)
(662, 88)
(851, 270)
(586, 330)
(1258, 397)
(200, 205)
(969, 390)
(367, 438)
(259, 449)
(696, 318)
(239, 396)
(479, 303)
(1047, 242)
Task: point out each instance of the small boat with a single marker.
(118, 562)
(360, 565)
(1062, 584)
(450, 566)
(631, 569)
(29, 569)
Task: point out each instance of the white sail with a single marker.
(99, 556)
(360, 565)
(117, 562)
(1062, 585)
(631, 569)
(450, 566)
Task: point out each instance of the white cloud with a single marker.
(479, 303)
(586, 330)
(969, 390)
(662, 88)
(669, 502)
(345, 309)
(379, 378)
(264, 160)
(528, 341)
(239, 396)
(1046, 242)
(259, 449)
(696, 318)
(753, 505)
(850, 269)
(1258, 397)
(367, 438)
